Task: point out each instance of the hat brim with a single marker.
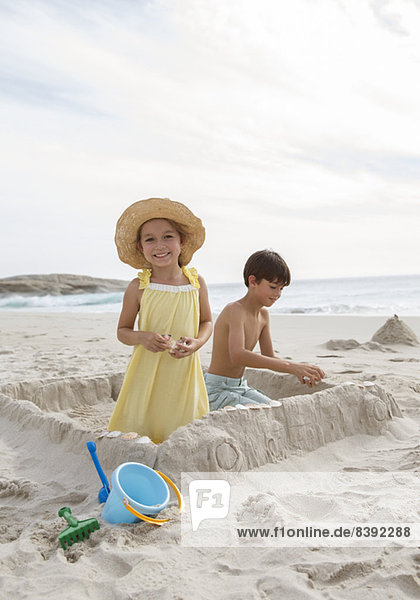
(126, 234)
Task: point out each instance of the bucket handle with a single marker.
(175, 489)
(150, 519)
(142, 517)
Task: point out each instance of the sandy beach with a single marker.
(195, 133)
(59, 376)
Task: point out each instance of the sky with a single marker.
(290, 125)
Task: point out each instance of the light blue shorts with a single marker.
(226, 391)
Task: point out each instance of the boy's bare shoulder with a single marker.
(233, 309)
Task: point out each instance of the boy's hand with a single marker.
(185, 346)
(154, 342)
(308, 374)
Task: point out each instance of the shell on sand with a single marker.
(395, 331)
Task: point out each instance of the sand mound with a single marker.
(342, 344)
(395, 331)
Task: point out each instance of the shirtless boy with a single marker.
(240, 326)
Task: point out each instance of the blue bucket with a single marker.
(139, 487)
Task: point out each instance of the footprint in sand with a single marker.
(11, 525)
(288, 585)
(19, 488)
(264, 506)
(331, 573)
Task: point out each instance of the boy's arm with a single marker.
(239, 354)
(266, 345)
(246, 358)
(125, 331)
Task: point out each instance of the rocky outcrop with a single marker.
(58, 284)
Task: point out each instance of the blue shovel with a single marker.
(104, 491)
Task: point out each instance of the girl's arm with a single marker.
(191, 345)
(206, 321)
(125, 331)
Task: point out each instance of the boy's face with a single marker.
(267, 292)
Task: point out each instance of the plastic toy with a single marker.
(141, 491)
(77, 530)
(105, 490)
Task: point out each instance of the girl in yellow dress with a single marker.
(164, 386)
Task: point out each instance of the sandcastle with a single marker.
(395, 331)
(73, 410)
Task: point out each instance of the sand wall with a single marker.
(74, 410)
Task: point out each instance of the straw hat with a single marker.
(156, 208)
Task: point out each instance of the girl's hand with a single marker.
(185, 346)
(154, 342)
(308, 374)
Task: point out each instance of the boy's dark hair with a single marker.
(267, 264)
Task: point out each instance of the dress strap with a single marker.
(192, 275)
(144, 278)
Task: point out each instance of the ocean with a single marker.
(347, 296)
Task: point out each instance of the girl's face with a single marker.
(160, 243)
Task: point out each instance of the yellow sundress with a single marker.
(160, 393)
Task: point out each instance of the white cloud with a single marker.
(300, 118)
